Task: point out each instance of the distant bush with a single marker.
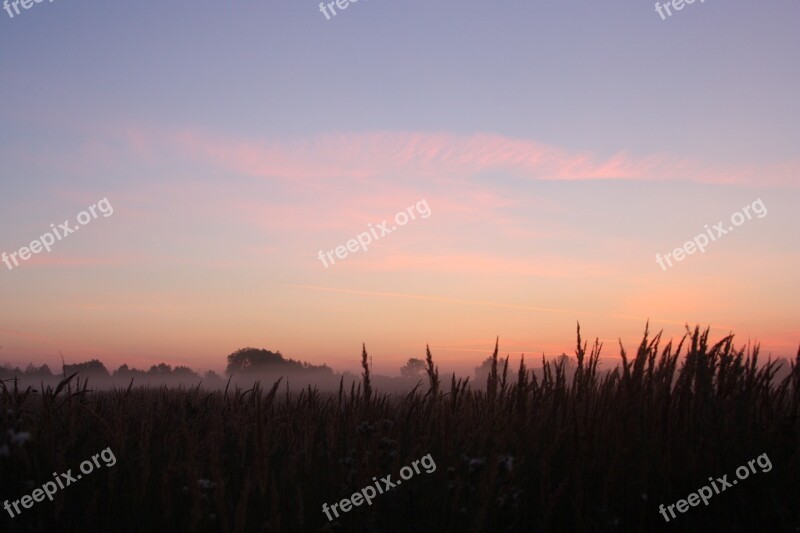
(254, 361)
(89, 368)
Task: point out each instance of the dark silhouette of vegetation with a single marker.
(128, 373)
(483, 370)
(38, 372)
(31, 371)
(433, 372)
(365, 375)
(414, 368)
(254, 361)
(212, 376)
(90, 368)
(597, 452)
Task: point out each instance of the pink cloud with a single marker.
(442, 155)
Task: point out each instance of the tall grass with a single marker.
(591, 452)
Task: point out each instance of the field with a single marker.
(592, 453)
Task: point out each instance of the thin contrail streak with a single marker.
(495, 304)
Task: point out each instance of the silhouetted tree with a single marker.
(212, 376)
(88, 368)
(483, 370)
(414, 368)
(254, 360)
(184, 372)
(569, 365)
(8, 371)
(127, 373)
(41, 372)
(322, 369)
(162, 369)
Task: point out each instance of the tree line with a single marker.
(245, 361)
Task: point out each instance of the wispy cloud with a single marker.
(446, 155)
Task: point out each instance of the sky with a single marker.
(552, 153)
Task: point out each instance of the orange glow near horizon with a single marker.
(523, 240)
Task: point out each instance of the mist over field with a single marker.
(571, 448)
(293, 375)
